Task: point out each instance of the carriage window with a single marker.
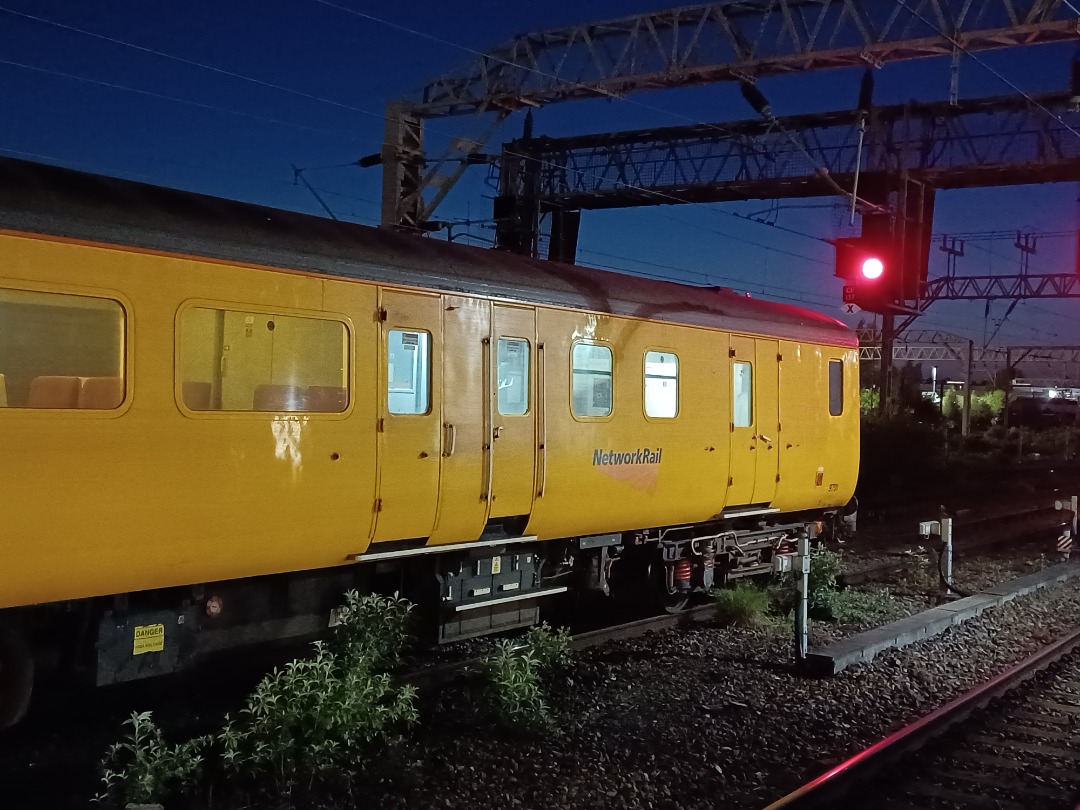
(513, 376)
(661, 384)
(61, 351)
(256, 361)
(591, 367)
(836, 387)
(408, 372)
(742, 386)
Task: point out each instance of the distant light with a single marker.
(1052, 393)
(872, 268)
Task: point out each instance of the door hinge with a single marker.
(779, 358)
(380, 314)
(778, 478)
(378, 504)
(380, 425)
(730, 352)
(731, 482)
(731, 426)
(778, 428)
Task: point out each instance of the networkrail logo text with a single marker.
(607, 458)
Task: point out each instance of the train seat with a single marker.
(101, 393)
(270, 397)
(197, 395)
(54, 392)
(327, 398)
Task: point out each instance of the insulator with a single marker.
(755, 98)
(866, 90)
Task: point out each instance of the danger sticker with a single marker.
(149, 638)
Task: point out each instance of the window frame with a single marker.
(528, 375)
(750, 365)
(260, 309)
(645, 378)
(839, 394)
(127, 355)
(611, 352)
(385, 371)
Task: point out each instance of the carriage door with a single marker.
(767, 418)
(409, 424)
(512, 415)
(753, 374)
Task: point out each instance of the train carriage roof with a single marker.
(46, 199)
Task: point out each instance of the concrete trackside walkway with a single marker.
(834, 657)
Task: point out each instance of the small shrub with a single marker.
(519, 675)
(515, 693)
(549, 648)
(313, 717)
(741, 606)
(825, 567)
(920, 570)
(372, 628)
(327, 714)
(142, 767)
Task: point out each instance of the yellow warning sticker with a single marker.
(496, 565)
(149, 638)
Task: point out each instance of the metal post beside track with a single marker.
(802, 630)
(944, 529)
(1068, 533)
(946, 539)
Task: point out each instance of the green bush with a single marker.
(372, 629)
(515, 692)
(142, 767)
(825, 567)
(519, 675)
(327, 714)
(741, 606)
(549, 648)
(316, 716)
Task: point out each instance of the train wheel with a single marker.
(16, 677)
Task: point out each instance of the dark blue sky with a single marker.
(94, 104)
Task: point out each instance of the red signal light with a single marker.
(872, 268)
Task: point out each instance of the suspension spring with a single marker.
(682, 571)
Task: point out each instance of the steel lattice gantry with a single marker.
(692, 45)
(979, 142)
(712, 42)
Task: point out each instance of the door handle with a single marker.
(763, 437)
(497, 432)
(449, 439)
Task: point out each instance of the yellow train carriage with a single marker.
(216, 417)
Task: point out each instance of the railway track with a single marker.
(1012, 743)
(1028, 524)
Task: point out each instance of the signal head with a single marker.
(872, 268)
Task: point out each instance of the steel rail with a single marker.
(827, 790)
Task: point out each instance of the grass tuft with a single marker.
(741, 606)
